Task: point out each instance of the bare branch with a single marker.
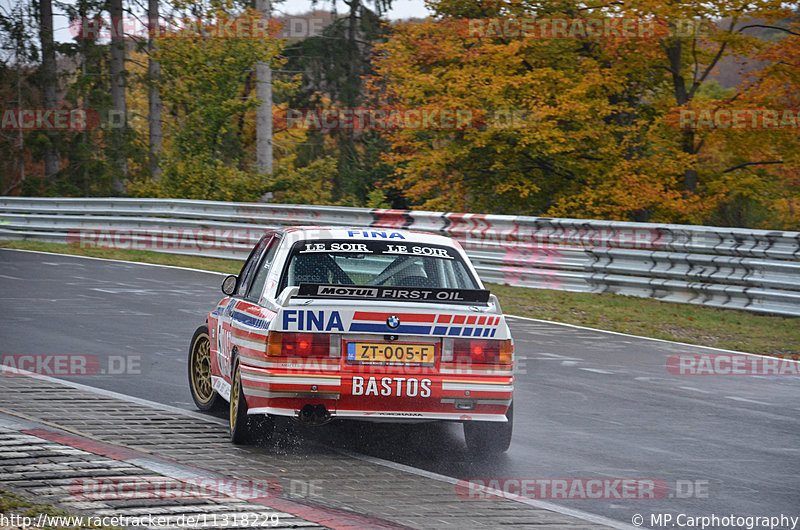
(768, 27)
(713, 63)
(766, 162)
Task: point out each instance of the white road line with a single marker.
(596, 370)
(556, 356)
(649, 379)
(693, 389)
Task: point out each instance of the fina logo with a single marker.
(393, 321)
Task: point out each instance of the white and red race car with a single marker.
(362, 324)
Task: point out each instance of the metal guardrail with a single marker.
(756, 270)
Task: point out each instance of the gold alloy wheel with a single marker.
(201, 369)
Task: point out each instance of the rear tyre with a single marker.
(246, 429)
(489, 437)
(241, 432)
(203, 394)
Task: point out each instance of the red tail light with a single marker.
(479, 351)
(298, 345)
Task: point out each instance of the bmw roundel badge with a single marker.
(393, 321)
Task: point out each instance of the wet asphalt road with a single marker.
(587, 404)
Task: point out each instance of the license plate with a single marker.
(373, 352)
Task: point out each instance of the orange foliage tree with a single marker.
(592, 131)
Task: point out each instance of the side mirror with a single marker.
(229, 284)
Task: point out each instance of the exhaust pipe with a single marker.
(306, 415)
(321, 414)
(313, 415)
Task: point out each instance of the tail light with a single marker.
(298, 345)
(480, 351)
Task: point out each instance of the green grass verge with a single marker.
(720, 328)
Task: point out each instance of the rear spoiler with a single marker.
(393, 294)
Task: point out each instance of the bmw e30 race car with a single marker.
(361, 324)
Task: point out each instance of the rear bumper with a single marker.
(379, 396)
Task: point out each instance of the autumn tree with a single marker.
(754, 173)
(333, 66)
(17, 89)
(593, 135)
(549, 115)
(98, 155)
(209, 106)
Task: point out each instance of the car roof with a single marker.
(361, 233)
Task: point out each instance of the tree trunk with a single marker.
(682, 97)
(689, 175)
(352, 19)
(119, 120)
(264, 113)
(154, 73)
(50, 82)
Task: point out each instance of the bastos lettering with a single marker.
(391, 386)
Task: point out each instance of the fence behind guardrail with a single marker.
(756, 270)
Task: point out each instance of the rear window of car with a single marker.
(347, 262)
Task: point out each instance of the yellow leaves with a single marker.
(595, 132)
(208, 93)
(312, 184)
